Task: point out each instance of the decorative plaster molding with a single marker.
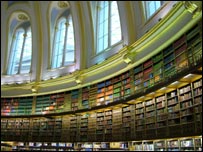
(127, 58)
(194, 7)
(22, 17)
(34, 89)
(78, 77)
(63, 4)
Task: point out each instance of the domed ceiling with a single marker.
(141, 39)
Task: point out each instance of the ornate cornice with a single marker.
(194, 7)
(63, 4)
(22, 17)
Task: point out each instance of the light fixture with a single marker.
(54, 77)
(62, 67)
(163, 88)
(19, 82)
(10, 83)
(78, 79)
(127, 59)
(187, 76)
(176, 82)
(34, 89)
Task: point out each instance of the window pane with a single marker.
(115, 24)
(101, 44)
(102, 26)
(108, 25)
(105, 27)
(70, 44)
(27, 53)
(16, 52)
(59, 60)
(151, 7)
(105, 39)
(59, 44)
(69, 57)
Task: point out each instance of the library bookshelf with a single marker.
(159, 98)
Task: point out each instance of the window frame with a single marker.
(12, 56)
(109, 34)
(54, 64)
(146, 10)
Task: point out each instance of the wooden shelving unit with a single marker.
(126, 121)
(108, 125)
(101, 111)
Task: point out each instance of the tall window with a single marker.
(151, 7)
(64, 43)
(21, 52)
(108, 25)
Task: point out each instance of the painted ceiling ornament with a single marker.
(63, 4)
(22, 17)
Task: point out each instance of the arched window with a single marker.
(108, 25)
(21, 51)
(64, 43)
(150, 7)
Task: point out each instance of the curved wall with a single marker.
(66, 119)
(136, 45)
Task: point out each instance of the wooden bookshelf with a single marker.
(169, 63)
(100, 128)
(58, 101)
(186, 102)
(117, 124)
(187, 144)
(126, 121)
(73, 128)
(57, 128)
(85, 98)
(160, 145)
(148, 75)
(139, 119)
(93, 95)
(42, 104)
(173, 145)
(138, 146)
(126, 84)
(197, 143)
(184, 51)
(150, 118)
(161, 115)
(175, 112)
(75, 98)
(138, 78)
(92, 122)
(108, 125)
(197, 102)
(148, 146)
(83, 127)
(65, 136)
(17, 106)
